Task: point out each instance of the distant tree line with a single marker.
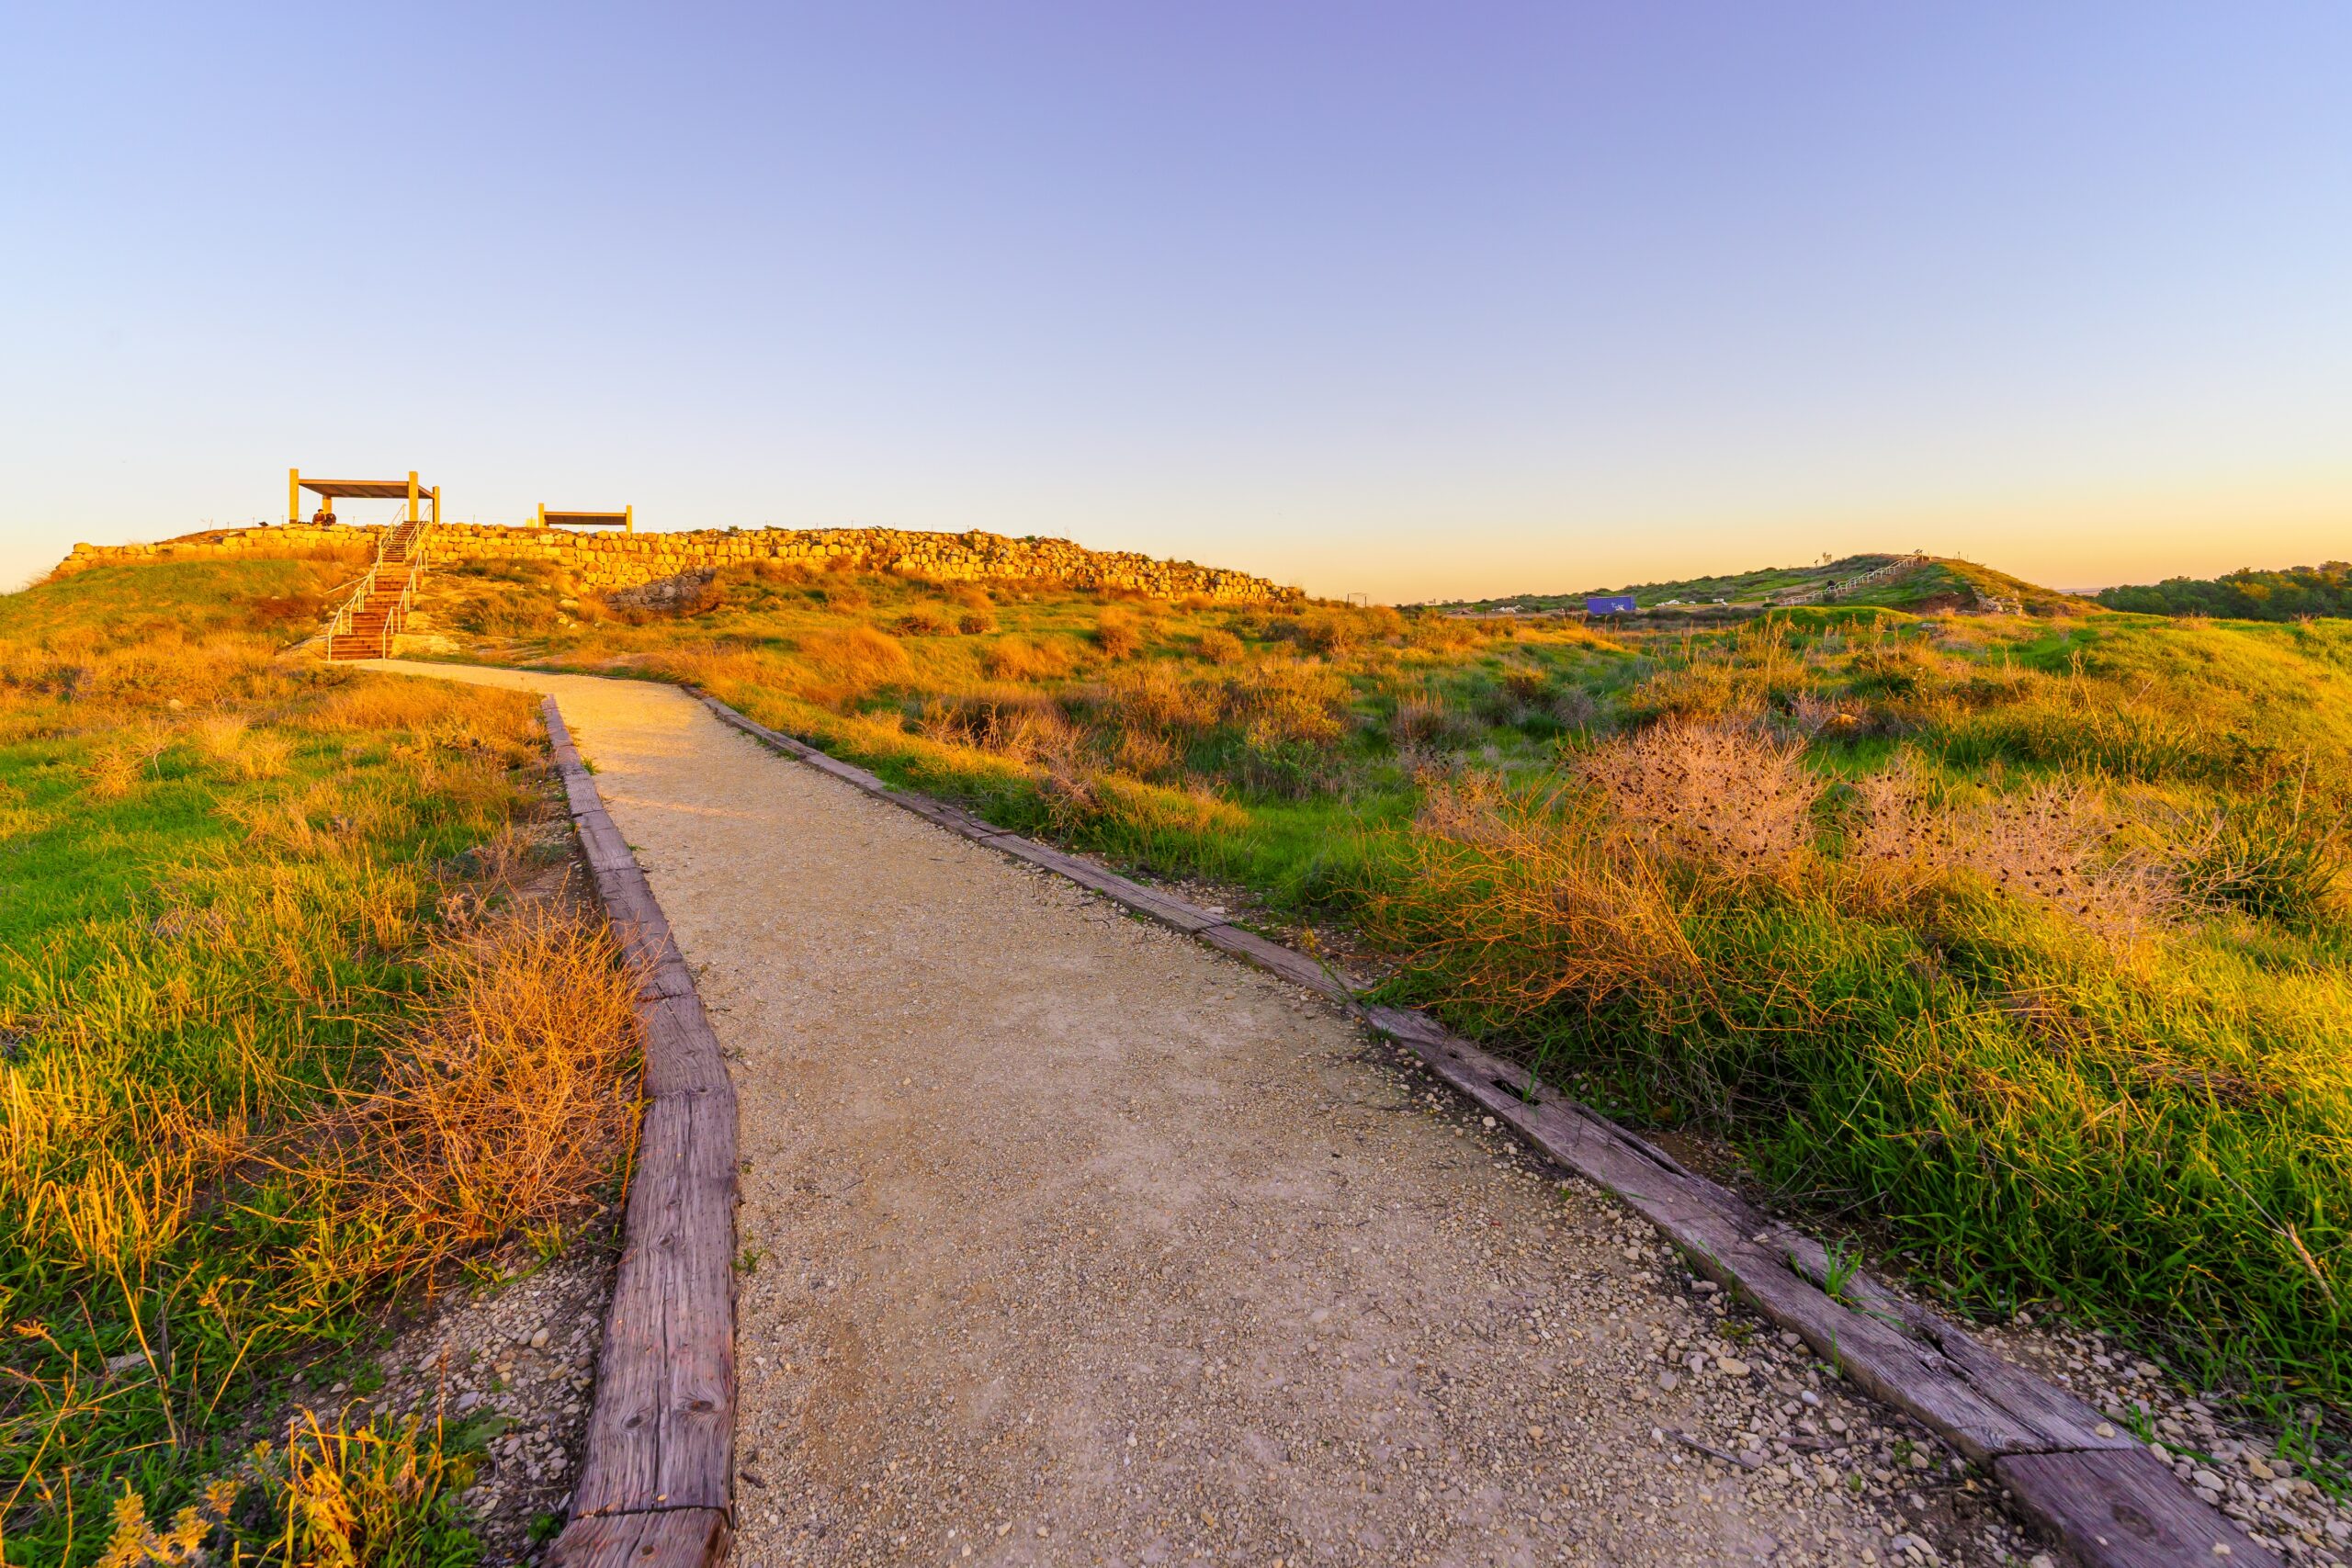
(2244, 594)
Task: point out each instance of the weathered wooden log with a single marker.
(673, 1538)
(661, 1433)
(656, 1481)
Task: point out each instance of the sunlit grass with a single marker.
(2024, 937)
(233, 889)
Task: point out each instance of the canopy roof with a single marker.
(582, 519)
(365, 490)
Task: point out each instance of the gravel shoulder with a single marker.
(1069, 1240)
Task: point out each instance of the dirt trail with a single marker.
(1072, 1241)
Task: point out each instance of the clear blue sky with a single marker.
(1420, 300)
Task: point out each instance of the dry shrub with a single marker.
(1279, 701)
(845, 596)
(1018, 658)
(1116, 634)
(1526, 683)
(783, 572)
(1733, 800)
(507, 1102)
(1440, 633)
(928, 620)
(1158, 697)
(1422, 720)
(1220, 647)
(973, 620)
(854, 658)
(1527, 900)
(1010, 721)
(1144, 754)
(2062, 844)
(1578, 708)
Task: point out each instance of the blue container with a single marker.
(1610, 604)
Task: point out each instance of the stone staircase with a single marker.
(363, 628)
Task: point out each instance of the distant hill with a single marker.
(2244, 594)
(1916, 583)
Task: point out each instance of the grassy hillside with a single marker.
(2026, 934)
(1932, 584)
(254, 918)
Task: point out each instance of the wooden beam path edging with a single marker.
(656, 1483)
(2108, 1500)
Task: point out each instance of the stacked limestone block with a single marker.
(601, 562)
(292, 540)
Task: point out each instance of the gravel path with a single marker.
(1069, 1240)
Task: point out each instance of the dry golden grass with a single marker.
(1026, 659)
(1218, 645)
(852, 660)
(1117, 633)
(1546, 904)
(501, 1109)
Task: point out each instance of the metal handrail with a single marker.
(396, 616)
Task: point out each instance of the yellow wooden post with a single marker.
(412, 495)
(293, 495)
(437, 506)
(629, 519)
(543, 514)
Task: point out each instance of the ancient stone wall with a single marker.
(597, 562)
(293, 540)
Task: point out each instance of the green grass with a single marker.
(1934, 585)
(1737, 588)
(220, 884)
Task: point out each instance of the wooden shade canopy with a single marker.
(624, 519)
(328, 491)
